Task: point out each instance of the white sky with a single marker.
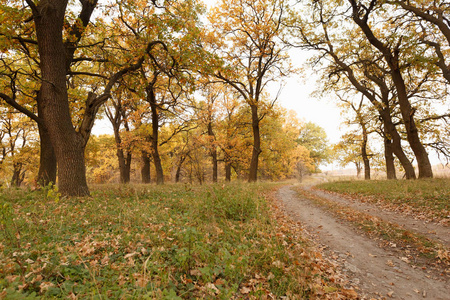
(296, 95)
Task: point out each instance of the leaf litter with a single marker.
(172, 242)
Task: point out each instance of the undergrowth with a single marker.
(152, 242)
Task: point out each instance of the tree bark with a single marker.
(151, 98)
(145, 169)
(157, 159)
(391, 133)
(228, 171)
(423, 162)
(364, 155)
(253, 172)
(124, 165)
(389, 158)
(213, 152)
(215, 165)
(227, 160)
(180, 163)
(18, 175)
(123, 159)
(47, 159)
(68, 144)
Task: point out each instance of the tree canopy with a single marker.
(186, 89)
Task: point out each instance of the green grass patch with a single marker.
(154, 242)
(429, 197)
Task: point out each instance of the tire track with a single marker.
(375, 272)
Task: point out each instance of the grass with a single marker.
(151, 242)
(427, 197)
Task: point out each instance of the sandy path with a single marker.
(375, 272)
(431, 230)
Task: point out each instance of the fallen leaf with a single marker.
(277, 264)
(195, 272)
(212, 288)
(130, 255)
(350, 293)
(45, 286)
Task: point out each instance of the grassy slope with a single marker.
(430, 198)
(170, 242)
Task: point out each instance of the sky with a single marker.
(296, 96)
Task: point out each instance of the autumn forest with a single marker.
(205, 186)
(185, 88)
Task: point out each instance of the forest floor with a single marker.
(376, 268)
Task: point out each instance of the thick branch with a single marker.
(77, 29)
(20, 108)
(93, 102)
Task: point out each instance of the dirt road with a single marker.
(373, 271)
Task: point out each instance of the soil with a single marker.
(373, 271)
(426, 228)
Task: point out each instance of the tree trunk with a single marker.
(213, 152)
(47, 159)
(392, 59)
(227, 160)
(227, 171)
(253, 172)
(178, 172)
(365, 157)
(17, 177)
(124, 160)
(396, 146)
(423, 162)
(358, 169)
(389, 158)
(67, 143)
(145, 169)
(404, 160)
(384, 111)
(157, 162)
(215, 165)
(124, 165)
(155, 135)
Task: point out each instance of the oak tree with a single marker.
(249, 42)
